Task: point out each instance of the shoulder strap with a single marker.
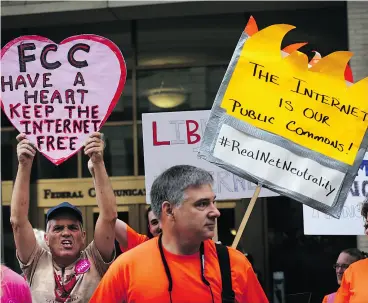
(228, 294)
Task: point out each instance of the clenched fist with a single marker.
(94, 146)
(26, 151)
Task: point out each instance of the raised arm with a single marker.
(121, 233)
(25, 240)
(104, 236)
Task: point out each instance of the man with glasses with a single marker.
(181, 264)
(346, 257)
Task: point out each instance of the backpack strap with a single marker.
(227, 294)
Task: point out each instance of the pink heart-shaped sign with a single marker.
(59, 94)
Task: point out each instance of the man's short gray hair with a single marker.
(171, 184)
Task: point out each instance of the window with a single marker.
(123, 110)
(5, 122)
(294, 253)
(181, 89)
(140, 151)
(8, 154)
(226, 224)
(9, 160)
(48, 170)
(188, 40)
(118, 154)
(9, 257)
(122, 215)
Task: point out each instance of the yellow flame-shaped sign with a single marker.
(312, 107)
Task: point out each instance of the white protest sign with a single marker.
(351, 221)
(174, 138)
(58, 94)
(273, 163)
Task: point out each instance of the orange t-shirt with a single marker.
(133, 239)
(354, 287)
(139, 276)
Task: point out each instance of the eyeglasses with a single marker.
(342, 266)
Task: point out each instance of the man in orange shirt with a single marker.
(353, 288)
(128, 238)
(183, 259)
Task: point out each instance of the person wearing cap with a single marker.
(69, 271)
(128, 238)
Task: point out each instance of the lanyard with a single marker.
(167, 269)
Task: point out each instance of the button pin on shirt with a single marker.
(82, 266)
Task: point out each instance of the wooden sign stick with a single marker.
(246, 216)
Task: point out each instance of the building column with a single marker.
(357, 13)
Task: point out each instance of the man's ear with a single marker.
(46, 238)
(167, 209)
(84, 236)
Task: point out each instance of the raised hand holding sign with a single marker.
(25, 150)
(57, 95)
(94, 147)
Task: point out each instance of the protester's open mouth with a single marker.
(66, 243)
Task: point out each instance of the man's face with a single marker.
(153, 224)
(65, 239)
(342, 263)
(196, 217)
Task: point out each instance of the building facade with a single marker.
(182, 45)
